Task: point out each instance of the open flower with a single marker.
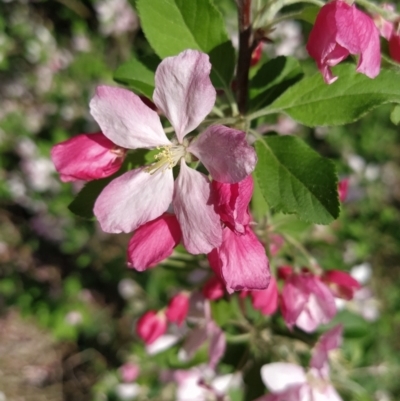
(185, 95)
(341, 30)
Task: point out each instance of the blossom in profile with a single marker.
(185, 95)
(340, 30)
(290, 382)
(266, 301)
(306, 301)
(87, 157)
(151, 326)
(240, 261)
(342, 284)
(178, 308)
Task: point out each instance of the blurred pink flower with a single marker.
(87, 157)
(289, 382)
(343, 188)
(342, 284)
(178, 308)
(151, 326)
(340, 30)
(306, 302)
(129, 372)
(185, 95)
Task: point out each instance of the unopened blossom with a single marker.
(266, 301)
(185, 95)
(87, 157)
(290, 382)
(306, 302)
(240, 260)
(256, 55)
(151, 326)
(178, 308)
(214, 288)
(153, 242)
(394, 46)
(340, 30)
(343, 188)
(342, 284)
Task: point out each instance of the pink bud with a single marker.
(87, 157)
(178, 308)
(266, 301)
(129, 372)
(394, 47)
(214, 288)
(341, 284)
(340, 30)
(256, 55)
(151, 326)
(343, 187)
(284, 272)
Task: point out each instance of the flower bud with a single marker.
(151, 326)
(178, 308)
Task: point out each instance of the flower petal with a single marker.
(266, 300)
(327, 342)
(153, 242)
(133, 199)
(217, 344)
(225, 153)
(200, 224)
(242, 261)
(87, 157)
(125, 119)
(280, 376)
(184, 92)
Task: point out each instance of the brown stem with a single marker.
(245, 50)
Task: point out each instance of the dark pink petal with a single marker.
(151, 326)
(87, 157)
(284, 272)
(133, 199)
(125, 119)
(194, 209)
(232, 202)
(178, 308)
(241, 261)
(329, 341)
(184, 92)
(266, 301)
(394, 47)
(213, 289)
(225, 153)
(153, 242)
(342, 284)
(340, 30)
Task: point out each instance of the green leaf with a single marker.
(138, 74)
(395, 115)
(314, 103)
(295, 179)
(309, 14)
(272, 79)
(172, 26)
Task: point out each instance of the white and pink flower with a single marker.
(185, 95)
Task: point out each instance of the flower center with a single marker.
(167, 158)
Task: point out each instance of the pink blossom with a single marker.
(306, 302)
(129, 372)
(153, 242)
(289, 382)
(214, 288)
(87, 157)
(151, 326)
(266, 301)
(343, 188)
(340, 30)
(342, 284)
(185, 95)
(178, 308)
(240, 260)
(385, 27)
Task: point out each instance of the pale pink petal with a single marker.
(325, 393)
(184, 92)
(225, 153)
(153, 242)
(87, 157)
(242, 261)
(194, 209)
(280, 376)
(196, 338)
(266, 300)
(133, 199)
(328, 342)
(232, 202)
(125, 119)
(217, 344)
